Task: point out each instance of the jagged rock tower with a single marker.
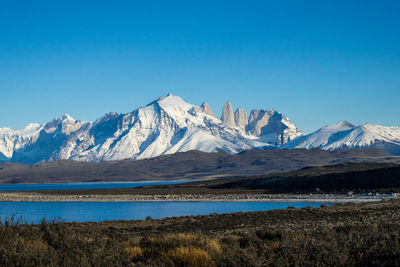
(228, 118)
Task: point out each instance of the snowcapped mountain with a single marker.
(345, 135)
(169, 125)
(165, 126)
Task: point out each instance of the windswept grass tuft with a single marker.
(133, 252)
(187, 257)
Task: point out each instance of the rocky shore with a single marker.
(328, 198)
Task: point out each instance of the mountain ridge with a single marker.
(169, 125)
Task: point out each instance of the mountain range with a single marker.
(170, 124)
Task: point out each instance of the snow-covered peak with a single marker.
(173, 109)
(66, 124)
(340, 126)
(67, 121)
(106, 117)
(30, 129)
(169, 98)
(321, 137)
(52, 125)
(387, 134)
(346, 135)
(173, 103)
(67, 117)
(11, 140)
(5, 130)
(346, 124)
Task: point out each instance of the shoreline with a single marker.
(108, 182)
(320, 198)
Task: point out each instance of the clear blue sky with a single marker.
(318, 62)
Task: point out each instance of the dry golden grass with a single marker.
(37, 245)
(186, 256)
(214, 246)
(186, 237)
(133, 252)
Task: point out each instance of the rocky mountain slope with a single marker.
(269, 125)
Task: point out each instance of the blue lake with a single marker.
(102, 211)
(72, 186)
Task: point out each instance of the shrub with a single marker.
(267, 234)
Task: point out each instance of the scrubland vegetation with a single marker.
(344, 235)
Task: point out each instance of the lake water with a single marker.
(72, 186)
(102, 211)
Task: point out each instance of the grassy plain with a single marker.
(344, 235)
